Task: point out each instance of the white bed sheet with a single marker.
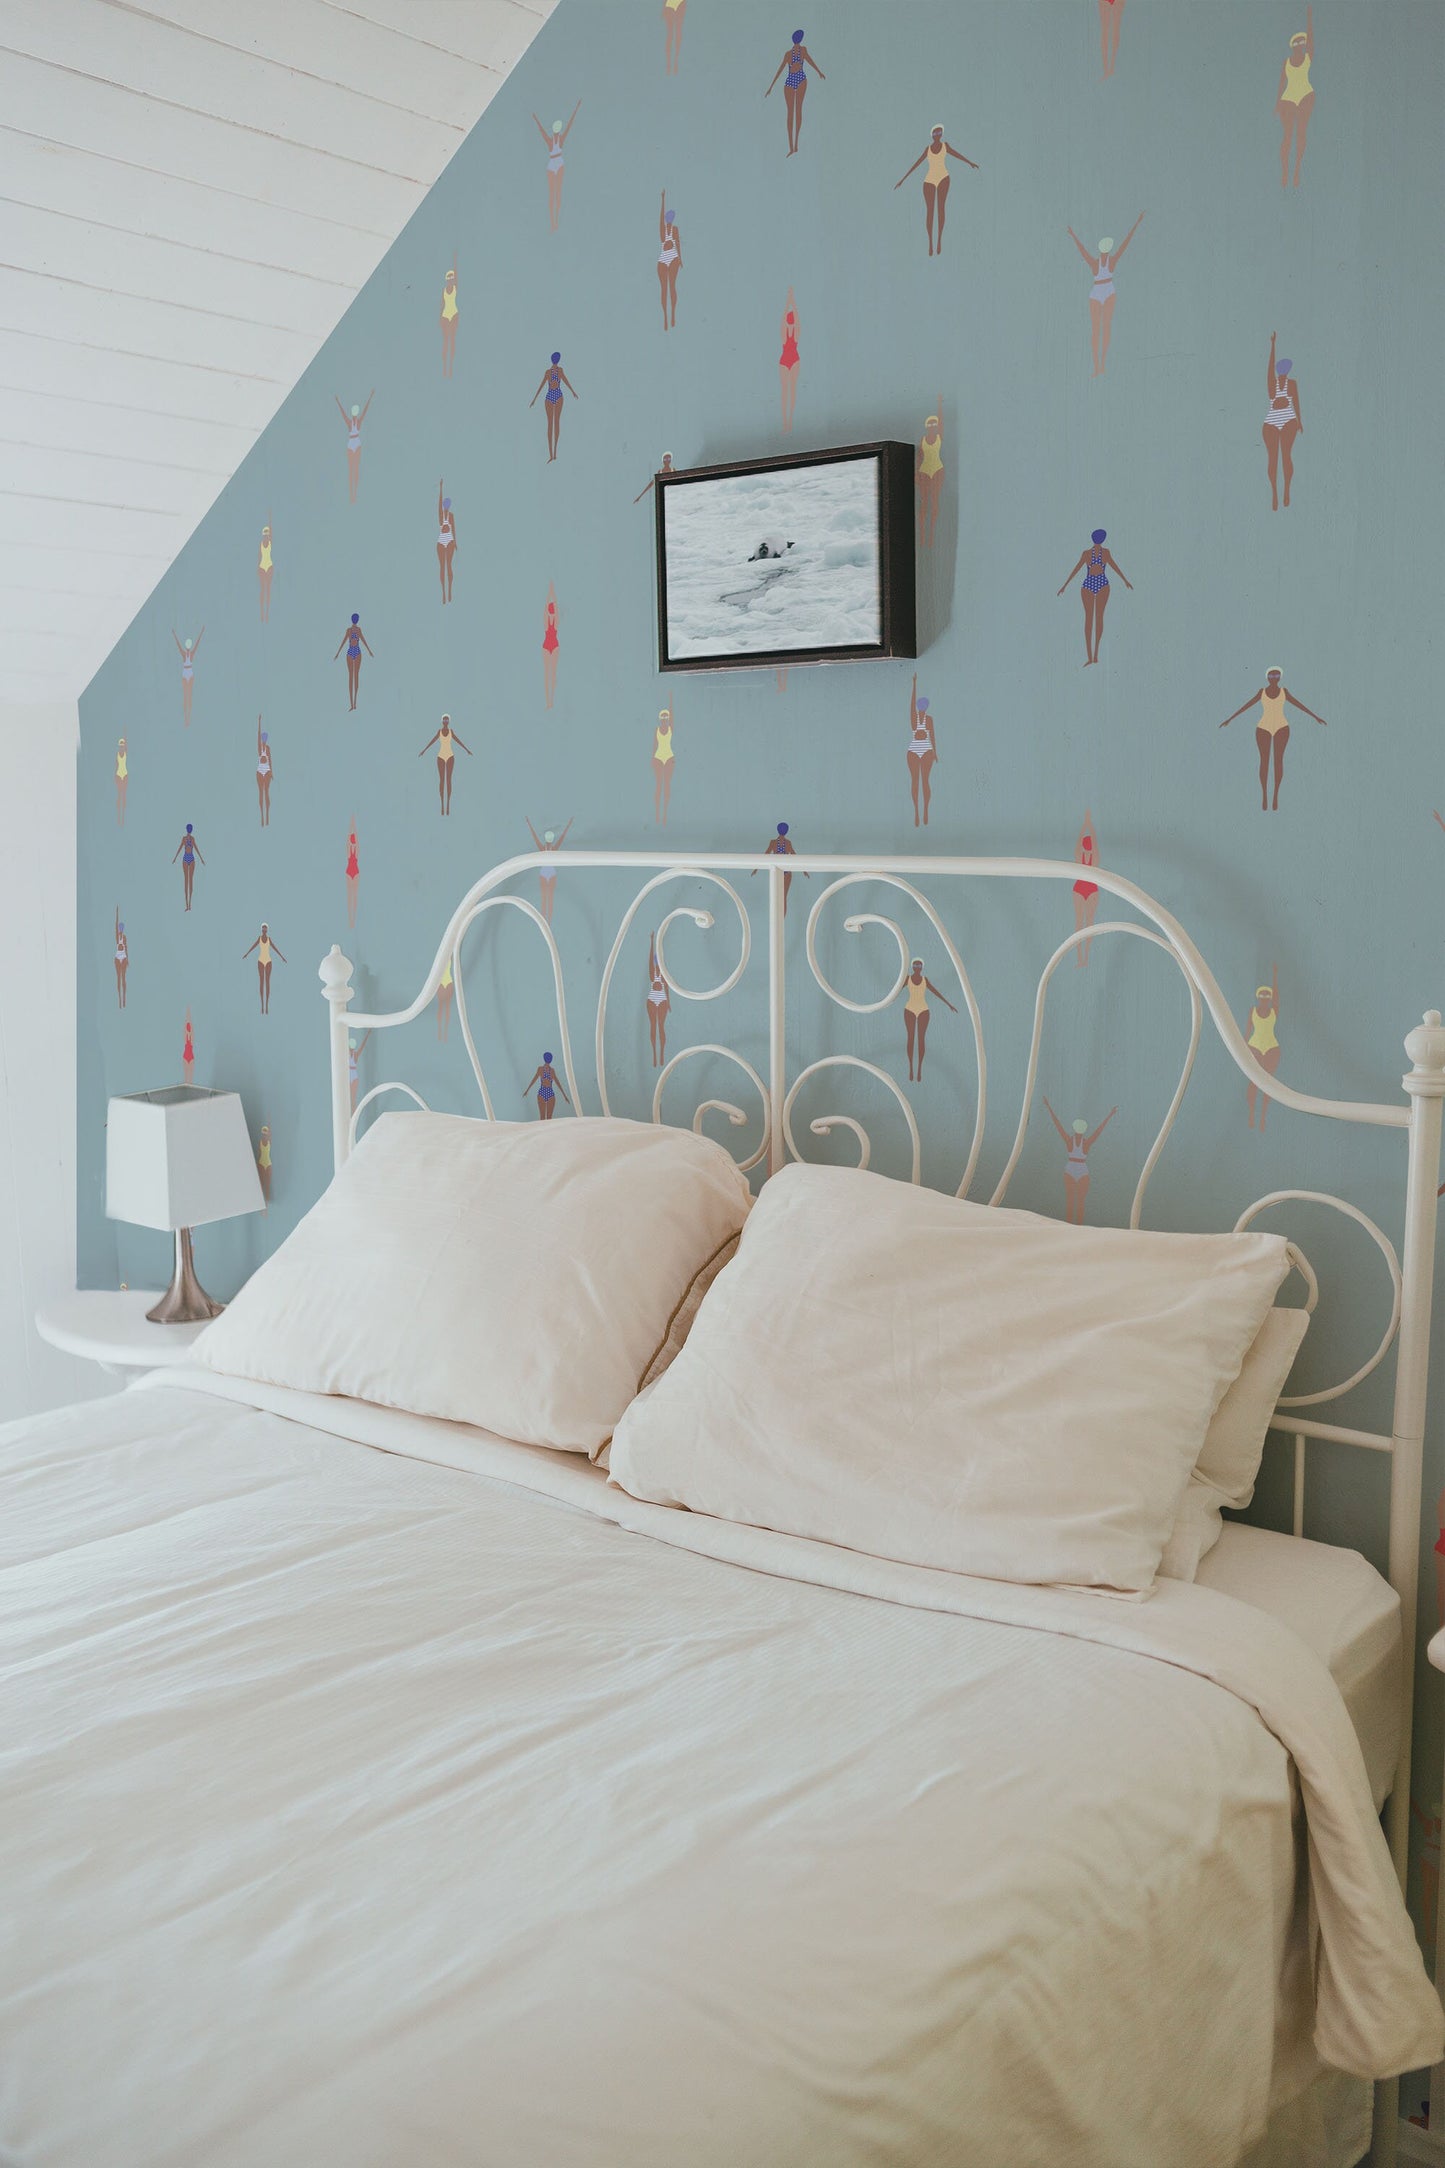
(1341, 1607)
(364, 1809)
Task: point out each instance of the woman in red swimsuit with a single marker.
(188, 1054)
(788, 363)
(549, 646)
(353, 876)
(1086, 893)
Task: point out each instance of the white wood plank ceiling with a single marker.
(191, 192)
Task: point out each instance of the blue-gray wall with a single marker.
(1341, 889)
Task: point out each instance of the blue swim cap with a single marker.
(797, 37)
(1282, 368)
(668, 216)
(921, 704)
(1099, 535)
(188, 827)
(446, 504)
(548, 1059)
(782, 828)
(265, 737)
(556, 357)
(355, 618)
(122, 925)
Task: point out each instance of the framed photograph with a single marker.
(775, 561)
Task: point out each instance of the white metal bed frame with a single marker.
(1411, 1269)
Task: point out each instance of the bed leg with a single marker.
(1385, 2143)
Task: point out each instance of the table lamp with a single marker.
(176, 1159)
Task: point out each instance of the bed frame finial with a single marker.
(1425, 1046)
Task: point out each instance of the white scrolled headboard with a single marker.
(1417, 1113)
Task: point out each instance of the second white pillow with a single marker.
(951, 1385)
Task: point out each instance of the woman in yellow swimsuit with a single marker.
(662, 766)
(1264, 1042)
(122, 777)
(264, 569)
(1296, 98)
(930, 477)
(935, 181)
(444, 1001)
(265, 949)
(445, 739)
(1271, 732)
(263, 1162)
(122, 958)
(916, 990)
(449, 319)
(673, 12)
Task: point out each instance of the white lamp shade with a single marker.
(179, 1158)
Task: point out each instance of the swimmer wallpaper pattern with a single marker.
(911, 204)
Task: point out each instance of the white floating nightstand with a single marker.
(113, 1329)
(177, 1159)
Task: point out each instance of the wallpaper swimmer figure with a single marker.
(659, 1004)
(187, 650)
(353, 876)
(1096, 563)
(673, 12)
(555, 138)
(1110, 12)
(1271, 733)
(1077, 1145)
(352, 424)
(1086, 892)
(188, 851)
(788, 362)
(554, 376)
(445, 989)
(548, 1084)
(663, 763)
(647, 487)
(550, 645)
(669, 260)
(1295, 99)
(1283, 422)
(354, 1050)
(1101, 292)
(446, 540)
(930, 477)
(445, 739)
(122, 777)
(797, 60)
(265, 566)
(548, 840)
(263, 1164)
(935, 181)
(922, 752)
(1264, 1042)
(265, 769)
(265, 949)
(353, 640)
(122, 958)
(449, 319)
(916, 990)
(778, 846)
(188, 1052)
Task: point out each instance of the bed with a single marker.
(382, 1790)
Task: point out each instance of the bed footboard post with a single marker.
(334, 973)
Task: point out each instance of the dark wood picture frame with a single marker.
(898, 625)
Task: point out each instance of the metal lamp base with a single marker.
(185, 1301)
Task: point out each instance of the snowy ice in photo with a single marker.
(775, 561)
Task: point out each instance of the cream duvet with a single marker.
(367, 1809)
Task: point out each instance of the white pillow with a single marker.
(1229, 1462)
(515, 1275)
(951, 1385)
